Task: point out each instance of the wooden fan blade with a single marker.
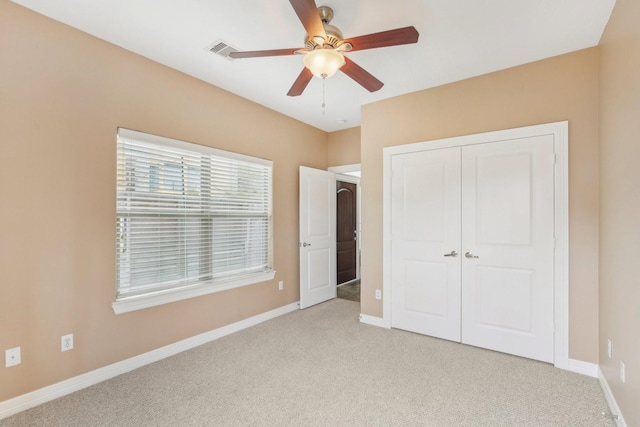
(406, 35)
(261, 53)
(301, 83)
(307, 12)
(361, 76)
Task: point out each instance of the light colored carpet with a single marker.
(321, 367)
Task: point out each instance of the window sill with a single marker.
(140, 302)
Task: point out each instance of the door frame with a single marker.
(560, 133)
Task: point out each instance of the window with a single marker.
(191, 220)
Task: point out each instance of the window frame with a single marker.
(124, 304)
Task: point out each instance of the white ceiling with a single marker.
(458, 39)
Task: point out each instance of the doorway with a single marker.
(348, 231)
(317, 228)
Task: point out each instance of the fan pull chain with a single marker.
(324, 79)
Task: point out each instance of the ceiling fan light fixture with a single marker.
(323, 63)
(324, 45)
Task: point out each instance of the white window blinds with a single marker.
(188, 215)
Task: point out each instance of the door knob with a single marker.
(305, 244)
(452, 253)
(470, 255)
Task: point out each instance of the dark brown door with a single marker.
(346, 246)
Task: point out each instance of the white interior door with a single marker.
(425, 240)
(508, 232)
(492, 203)
(317, 236)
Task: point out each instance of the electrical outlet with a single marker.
(280, 285)
(66, 342)
(378, 294)
(623, 374)
(12, 357)
(609, 348)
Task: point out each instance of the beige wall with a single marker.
(62, 96)
(556, 89)
(344, 147)
(620, 205)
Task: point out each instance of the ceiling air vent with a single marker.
(222, 48)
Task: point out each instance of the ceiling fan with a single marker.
(325, 44)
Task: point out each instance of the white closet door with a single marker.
(508, 239)
(425, 218)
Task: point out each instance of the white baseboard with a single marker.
(584, 368)
(26, 401)
(611, 401)
(375, 321)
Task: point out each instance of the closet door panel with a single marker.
(425, 218)
(507, 232)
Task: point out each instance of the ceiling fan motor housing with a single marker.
(326, 14)
(334, 35)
